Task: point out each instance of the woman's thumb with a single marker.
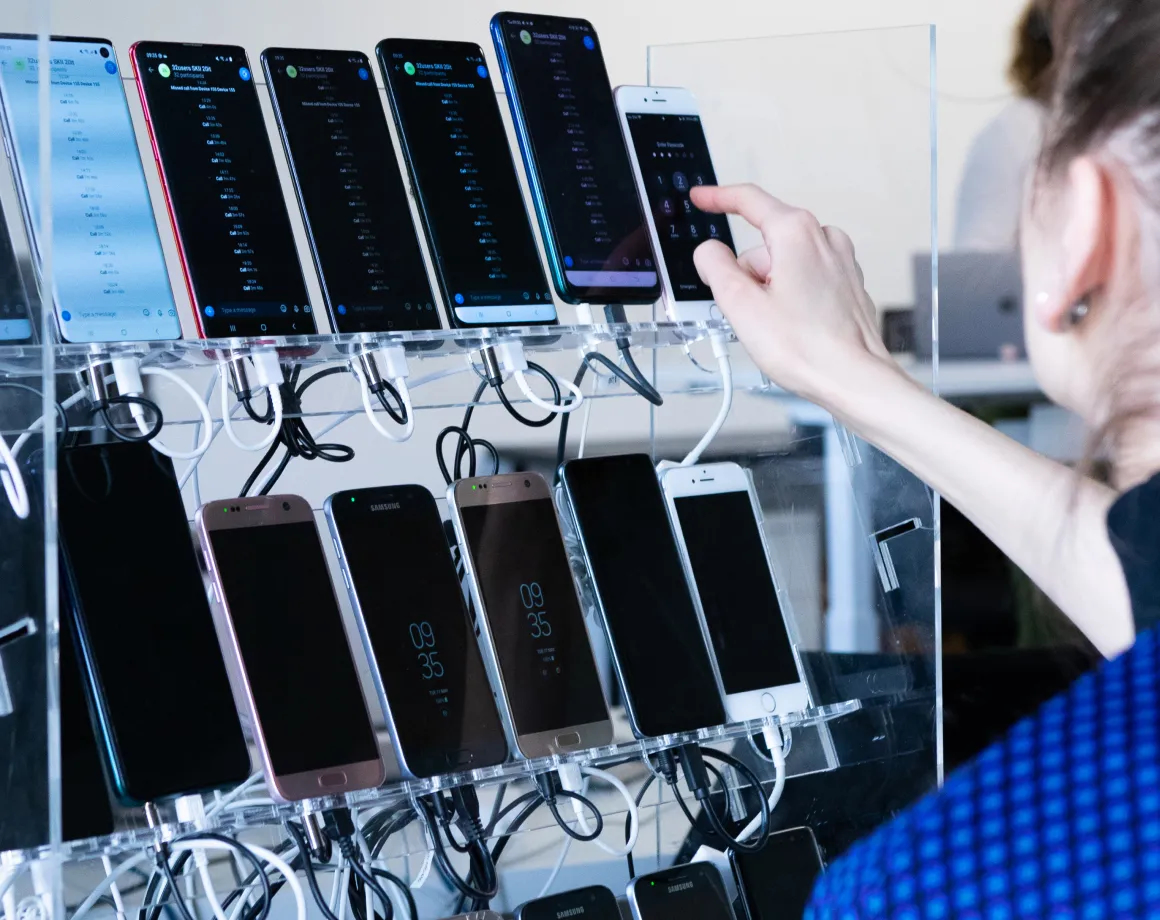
(718, 268)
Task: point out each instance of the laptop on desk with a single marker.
(980, 298)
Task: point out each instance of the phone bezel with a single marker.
(509, 489)
(719, 479)
(697, 872)
(267, 511)
(334, 517)
(661, 100)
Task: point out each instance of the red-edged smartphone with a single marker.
(222, 190)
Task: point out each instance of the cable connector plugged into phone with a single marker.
(268, 372)
(573, 779)
(506, 359)
(128, 375)
(390, 379)
(512, 359)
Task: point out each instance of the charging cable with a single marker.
(13, 480)
(128, 374)
(572, 780)
(720, 346)
(97, 386)
(374, 382)
(513, 361)
(551, 790)
(777, 748)
(269, 375)
(461, 807)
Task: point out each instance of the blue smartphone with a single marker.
(109, 282)
(578, 167)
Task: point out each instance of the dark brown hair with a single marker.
(1105, 102)
(1030, 66)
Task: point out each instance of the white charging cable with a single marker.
(13, 481)
(512, 360)
(721, 352)
(773, 738)
(269, 375)
(371, 382)
(572, 780)
(128, 374)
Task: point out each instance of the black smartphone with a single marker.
(593, 903)
(350, 190)
(461, 169)
(658, 647)
(15, 315)
(776, 882)
(143, 628)
(414, 624)
(578, 168)
(221, 185)
(695, 890)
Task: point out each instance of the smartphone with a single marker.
(464, 181)
(222, 190)
(350, 190)
(414, 624)
(142, 626)
(658, 648)
(593, 903)
(15, 314)
(695, 890)
(778, 880)
(670, 156)
(291, 666)
(109, 282)
(590, 216)
(535, 640)
(747, 622)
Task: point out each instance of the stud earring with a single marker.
(1078, 313)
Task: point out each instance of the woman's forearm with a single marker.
(1050, 521)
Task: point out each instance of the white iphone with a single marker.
(746, 617)
(670, 155)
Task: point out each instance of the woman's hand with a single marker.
(798, 302)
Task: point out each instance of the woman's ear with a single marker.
(1088, 213)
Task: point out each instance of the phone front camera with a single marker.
(104, 52)
(285, 506)
(527, 483)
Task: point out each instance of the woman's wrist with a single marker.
(865, 391)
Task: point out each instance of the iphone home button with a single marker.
(568, 740)
(327, 780)
(768, 703)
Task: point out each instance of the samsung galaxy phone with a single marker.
(464, 180)
(109, 282)
(221, 185)
(578, 169)
(350, 190)
(15, 315)
(535, 640)
(142, 625)
(290, 663)
(777, 881)
(669, 157)
(695, 890)
(658, 647)
(593, 903)
(747, 620)
(414, 624)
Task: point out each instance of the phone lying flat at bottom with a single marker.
(592, 903)
(776, 882)
(695, 890)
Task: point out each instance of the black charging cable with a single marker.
(339, 826)
(630, 375)
(691, 760)
(493, 375)
(550, 790)
(170, 888)
(134, 434)
(295, 437)
(461, 808)
(311, 872)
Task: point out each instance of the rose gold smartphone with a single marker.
(291, 666)
(534, 640)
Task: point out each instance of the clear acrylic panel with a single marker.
(853, 537)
